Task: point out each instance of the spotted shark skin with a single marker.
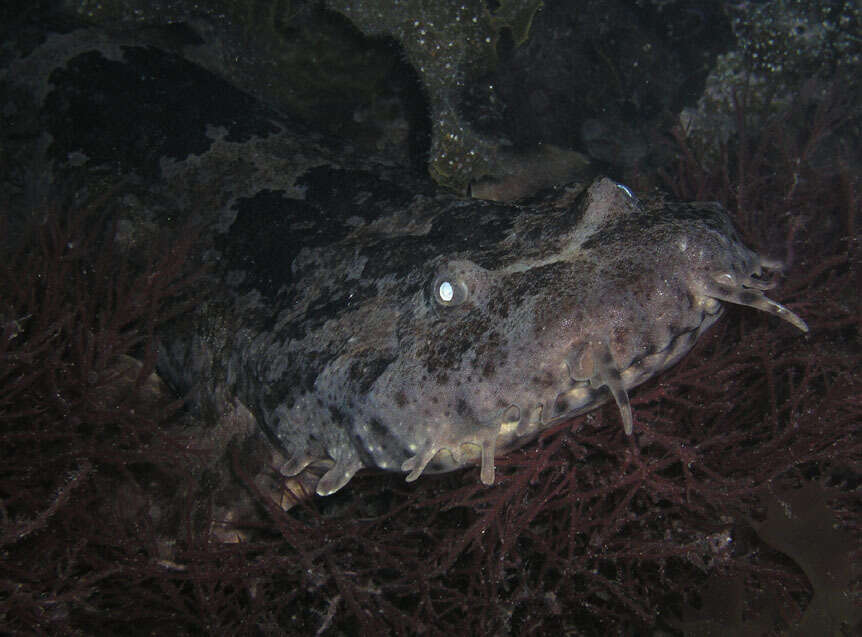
(359, 316)
(447, 333)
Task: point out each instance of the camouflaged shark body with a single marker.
(451, 331)
(362, 317)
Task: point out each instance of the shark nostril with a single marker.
(754, 297)
(757, 283)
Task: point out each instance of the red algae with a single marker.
(84, 441)
(586, 532)
(590, 532)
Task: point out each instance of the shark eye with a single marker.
(446, 291)
(449, 289)
(459, 281)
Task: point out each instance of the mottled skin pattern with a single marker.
(448, 333)
(363, 318)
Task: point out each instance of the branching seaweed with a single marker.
(587, 531)
(83, 435)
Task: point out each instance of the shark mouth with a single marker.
(588, 369)
(725, 288)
